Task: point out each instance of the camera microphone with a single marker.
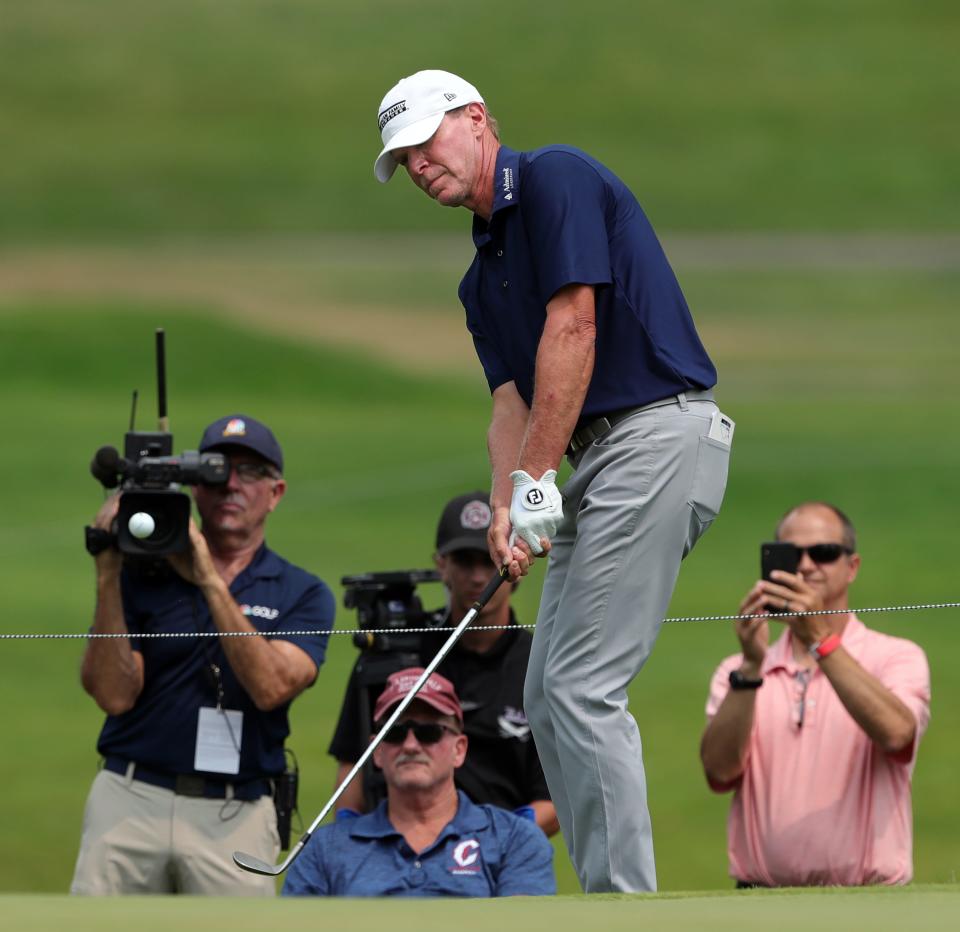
(105, 467)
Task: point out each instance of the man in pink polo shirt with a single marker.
(816, 734)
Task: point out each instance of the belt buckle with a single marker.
(189, 784)
(588, 433)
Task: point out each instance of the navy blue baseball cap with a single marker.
(239, 430)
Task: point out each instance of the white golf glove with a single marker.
(537, 507)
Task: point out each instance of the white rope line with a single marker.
(441, 629)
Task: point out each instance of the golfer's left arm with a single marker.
(564, 367)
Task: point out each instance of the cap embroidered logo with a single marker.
(235, 428)
(475, 516)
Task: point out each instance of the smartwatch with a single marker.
(739, 681)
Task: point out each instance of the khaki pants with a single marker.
(139, 838)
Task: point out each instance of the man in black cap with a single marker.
(487, 669)
(193, 740)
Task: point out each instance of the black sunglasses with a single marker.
(424, 732)
(824, 553)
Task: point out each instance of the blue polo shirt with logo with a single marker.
(483, 851)
(559, 218)
(160, 731)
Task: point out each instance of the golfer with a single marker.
(426, 838)
(589, 349)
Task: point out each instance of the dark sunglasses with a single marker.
(824, 553)
(424, 732)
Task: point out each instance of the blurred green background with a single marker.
(207, 167)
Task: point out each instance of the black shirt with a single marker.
(502, 767)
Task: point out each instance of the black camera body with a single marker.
(385, 602)
(149, 476)
(389, 601)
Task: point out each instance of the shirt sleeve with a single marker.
(720, 683)
(907, 675)
(526, 868)
(719, 687)
(313, 611)
(564, 203)
(494, 368)
(308, 876)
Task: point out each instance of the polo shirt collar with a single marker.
(264, 565)
(780, 654)
(506, 192)
(377, 824)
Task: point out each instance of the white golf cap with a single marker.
(413, 109)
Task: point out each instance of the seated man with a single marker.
(426, 838)
(817, 735)
(487, 669)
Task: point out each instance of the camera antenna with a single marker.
(133, 411)
(163, 420)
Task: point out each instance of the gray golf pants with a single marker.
(639, 499)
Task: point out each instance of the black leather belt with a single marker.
(590, 429)
(191, 784)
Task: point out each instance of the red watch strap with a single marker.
(825, 647)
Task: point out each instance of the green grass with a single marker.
(195, 115)
(841, 384)
(918, 908)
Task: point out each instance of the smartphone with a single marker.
(777, 555)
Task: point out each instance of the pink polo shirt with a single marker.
(818, 802)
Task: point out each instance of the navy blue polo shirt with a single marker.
(160, 731)
(560, 217)
(483, 851)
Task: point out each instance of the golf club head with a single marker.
(255, 865)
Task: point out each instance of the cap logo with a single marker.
(450, 96)
(235, 428)
(475, 516)
(385, 116)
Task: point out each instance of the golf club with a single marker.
(258, 866)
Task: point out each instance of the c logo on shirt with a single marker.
(467, 852)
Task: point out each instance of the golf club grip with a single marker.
(498, 580)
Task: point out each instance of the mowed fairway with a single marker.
(920, 909)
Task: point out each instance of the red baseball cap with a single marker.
(437, 692)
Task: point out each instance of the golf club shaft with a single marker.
(448, 645)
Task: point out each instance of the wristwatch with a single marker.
(739, 681)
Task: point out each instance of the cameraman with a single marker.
(193, 740)
(487, 669)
